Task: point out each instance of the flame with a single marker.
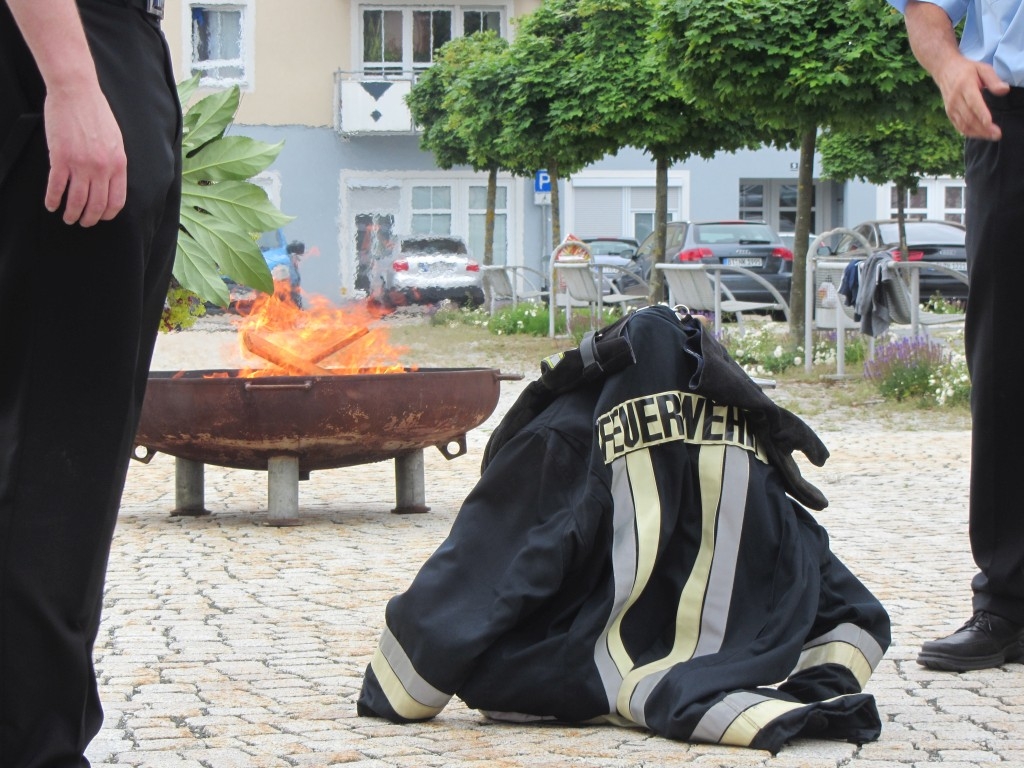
(311, 334)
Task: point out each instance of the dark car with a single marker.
(426, 269)
(616, 252)
(929, 240)
(753, 245)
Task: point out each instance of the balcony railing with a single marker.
(373, 103)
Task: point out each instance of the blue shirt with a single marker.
(993, 33)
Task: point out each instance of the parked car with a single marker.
(939, 242)
(617, 252)
(753, 245)
(426, 269)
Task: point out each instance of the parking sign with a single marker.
(542, 188)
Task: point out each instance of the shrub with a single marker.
(525, 318)
(760, 350)
(916, 368)
(951, 385)
(940, 305)
(532, 319)
(824, 348)
(181, 310)
(449, 314)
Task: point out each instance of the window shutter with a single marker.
(598, 211)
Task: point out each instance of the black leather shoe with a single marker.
(986, 640)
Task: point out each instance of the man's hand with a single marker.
(88, 166)
(960, 80)
(87, 157)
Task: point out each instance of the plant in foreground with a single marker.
(917, 368)
(221, 210)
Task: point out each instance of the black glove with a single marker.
(781, 432)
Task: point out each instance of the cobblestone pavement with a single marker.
(227, 642)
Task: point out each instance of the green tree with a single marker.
(899, 151)
(456, 104)
(545, 119)
(796, 66)
(623, 87)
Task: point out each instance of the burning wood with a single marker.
(280, 357)
(294, 363)
(296, 340)
(339, 343)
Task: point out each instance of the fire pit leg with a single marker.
(189, 491)
(409, 487)
(283, 490)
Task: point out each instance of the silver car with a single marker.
(426, 269)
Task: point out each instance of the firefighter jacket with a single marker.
(630, 555)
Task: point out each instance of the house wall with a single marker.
(298, 46)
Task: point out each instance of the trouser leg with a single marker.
(78, 315)
(995, 204)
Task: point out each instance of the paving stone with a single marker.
(229, 642)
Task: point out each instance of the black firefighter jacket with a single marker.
(630, 555)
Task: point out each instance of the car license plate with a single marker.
(959, 266)
(744, 262)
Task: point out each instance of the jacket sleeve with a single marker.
(850, 634)
(508, 551)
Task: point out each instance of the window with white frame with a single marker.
(641, 206)
(954, 208)
(915, 203)
(219, 41)
(404, 39)
(933, 199)
(774, 201)
(432, 210)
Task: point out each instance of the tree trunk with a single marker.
(804, 204)
(556, 219)
(901, 218)
(492, 196)
(656, 283)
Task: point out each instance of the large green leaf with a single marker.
(221, 211)
(234, 251)
(186, 89)
(196, 271)
(235, 202)
(208, 118)
(231, 158)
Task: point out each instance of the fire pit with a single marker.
(327, 392)
(293, 425)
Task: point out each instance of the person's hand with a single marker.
(962, 83)
(88, 165)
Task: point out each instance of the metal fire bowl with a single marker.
(324, 421)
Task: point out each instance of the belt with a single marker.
(154, 8)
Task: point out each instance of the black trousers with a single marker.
(995, 247)
(79, 310)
